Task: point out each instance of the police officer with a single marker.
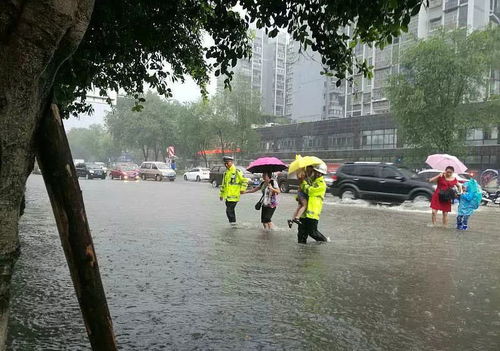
(233, 184)
(315, 188)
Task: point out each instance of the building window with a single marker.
(462, 16)
(383, 58)
(450, 4)
(451, 19)
(478, 136)
(379, 139)
(341, 141)
(381, 106)
(434, 23)
(495, 83)
(286, 144)
(311, 142)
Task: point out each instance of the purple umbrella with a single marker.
(266, 164)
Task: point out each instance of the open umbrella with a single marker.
(302, 162)
(441, 161)
(266, 164)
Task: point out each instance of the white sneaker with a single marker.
(328, 240)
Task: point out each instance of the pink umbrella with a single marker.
(441, 161)
(266, 164)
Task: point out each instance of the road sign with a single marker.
(170, 151)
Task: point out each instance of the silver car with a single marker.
(157, 171)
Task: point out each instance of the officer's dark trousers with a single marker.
(309, 227)
(231, 215)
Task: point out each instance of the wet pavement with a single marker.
(178, 277)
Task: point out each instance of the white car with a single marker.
(427, 174)
(197, 174)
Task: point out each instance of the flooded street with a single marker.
(178, 277)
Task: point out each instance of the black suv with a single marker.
(379, 182)
(287, 183)
(90, 170)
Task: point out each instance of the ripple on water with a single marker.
(178, 277)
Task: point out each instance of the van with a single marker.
(157, 171)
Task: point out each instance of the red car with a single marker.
(125, 172)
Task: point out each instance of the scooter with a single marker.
(485, 200)
(493, 198)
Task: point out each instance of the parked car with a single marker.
(287, 183)
(427, 174)
(197, 174)
(157, 171)
(125, 171)
(380, 182)
(90, 170)
(216, 173)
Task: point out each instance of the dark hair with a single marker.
(269, 174)
(450, 167)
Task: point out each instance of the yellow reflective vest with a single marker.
(316, 192)
(233, 182)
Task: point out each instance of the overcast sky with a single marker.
(186, 92)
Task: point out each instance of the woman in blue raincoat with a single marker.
(469, 202)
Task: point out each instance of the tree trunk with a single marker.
(156, 152)
(145, 152)
(219, 133)
(59, 174)
(35, 39)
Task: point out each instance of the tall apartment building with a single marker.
(266, 70)
(273, 75)
(366, 96)
(357, 125)
(304, 85)
(291, 85)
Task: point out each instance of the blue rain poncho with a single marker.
(470, 199)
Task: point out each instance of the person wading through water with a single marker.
(315, 188)
(269, 201)
(443, 196)
(233, 185)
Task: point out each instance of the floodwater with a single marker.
(177, 277)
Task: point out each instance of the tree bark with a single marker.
(59, 174)
(35, 38)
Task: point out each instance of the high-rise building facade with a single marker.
(290, 81)
(304, 84)
(365, 96)
(266, 70)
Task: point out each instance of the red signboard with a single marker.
(218, 151)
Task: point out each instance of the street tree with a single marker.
(92, 144)
(236, 111)
(443, 91)
(149, 130)
(195, 133)
(53, 51)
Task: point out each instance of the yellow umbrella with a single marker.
(295, 165)
(302, 162)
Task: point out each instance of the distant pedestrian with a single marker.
(233, 184)
(444, 194)
(469, 202)
(315, 189)
(269, 200)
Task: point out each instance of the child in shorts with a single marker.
(302, 199)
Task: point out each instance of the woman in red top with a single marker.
(445, 181)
